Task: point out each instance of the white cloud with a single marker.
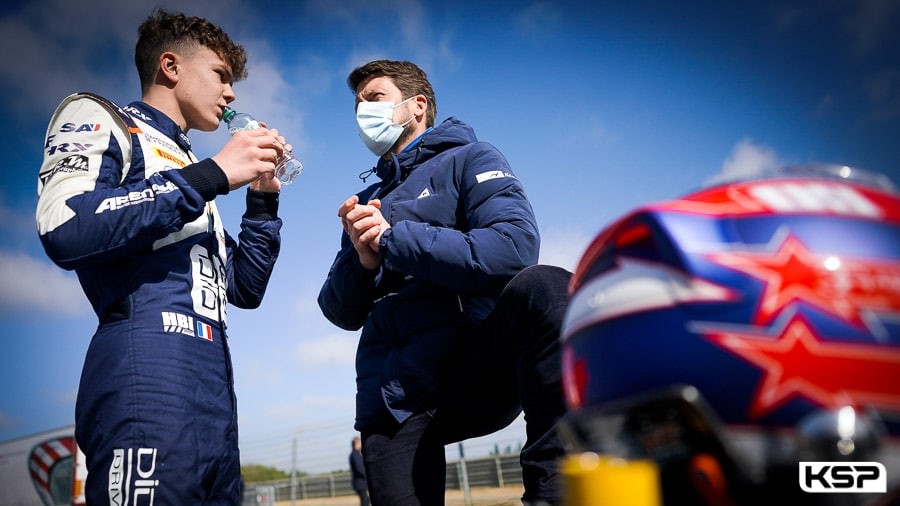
(58, 46)
(415, 30)
(62, 47)
(315, 404)
(746, 161)
(287, 412)
(27, 283)
(563, 247)
(330, 350)
(263, 93)
(256, 372)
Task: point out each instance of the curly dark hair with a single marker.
(165, 31)
(409, 78)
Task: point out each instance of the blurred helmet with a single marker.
(50, 465)
(728, 335)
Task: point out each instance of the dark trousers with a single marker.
(512, 364)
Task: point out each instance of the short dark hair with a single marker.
(165, 31)
(409, 78)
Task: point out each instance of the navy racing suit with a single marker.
(124, 203)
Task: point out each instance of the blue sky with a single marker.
(599, 107)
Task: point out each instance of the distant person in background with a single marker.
(358, 472)
(124, 202)
(460, 330)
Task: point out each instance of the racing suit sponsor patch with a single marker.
(165, 155)
(184, 324)
(85, 127)
(71, 163)
(131, 480)
(132, 198)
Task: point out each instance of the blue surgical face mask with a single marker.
(376, 125)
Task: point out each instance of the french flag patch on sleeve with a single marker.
(204, 331)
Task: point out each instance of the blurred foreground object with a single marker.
(743, 341)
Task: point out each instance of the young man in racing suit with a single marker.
(459, 334)
(124, 202)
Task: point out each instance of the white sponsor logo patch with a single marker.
(491, 174)
(132, 198)
(131, 480)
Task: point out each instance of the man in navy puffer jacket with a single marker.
(459, 334)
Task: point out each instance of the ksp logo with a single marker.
(843, 477)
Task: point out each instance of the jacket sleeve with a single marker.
(349, 291)
(87, 211)
(252, 258)
(496, 235)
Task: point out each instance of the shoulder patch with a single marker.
(491, 174)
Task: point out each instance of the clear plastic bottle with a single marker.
(288, 167)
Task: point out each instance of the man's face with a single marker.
(204, 89)
(383, 89)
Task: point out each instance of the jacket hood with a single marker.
(450, 133)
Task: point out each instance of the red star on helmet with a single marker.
(795, 363)
(792, 273)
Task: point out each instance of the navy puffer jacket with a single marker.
(461, 228)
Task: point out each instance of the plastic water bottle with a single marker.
(288, 166)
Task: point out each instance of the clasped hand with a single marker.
(364, 224)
